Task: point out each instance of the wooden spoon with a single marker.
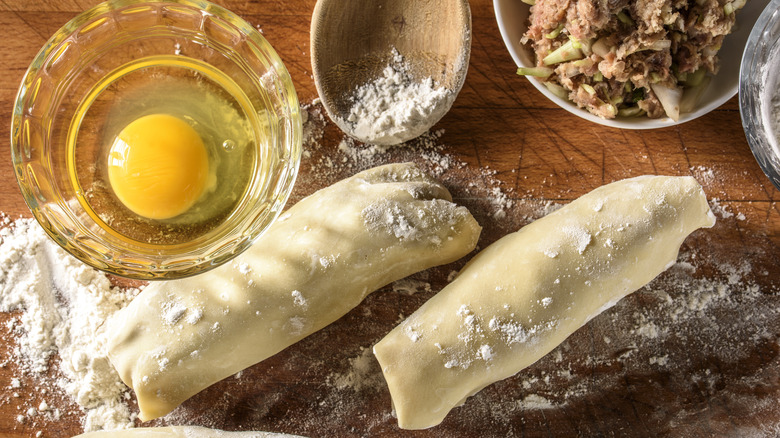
(352, 41)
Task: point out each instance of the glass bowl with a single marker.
(758, 88)
(125, 59)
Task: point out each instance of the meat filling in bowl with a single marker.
(625, 58)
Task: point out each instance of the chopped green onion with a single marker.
(631, 111)
(586, 46)
(539, 72)
(617, 100)
(587, 62)
(696, 78)
(656, 46)
(529, 2)
(654, 77)
(588, 89)
(680, 75)
(554, 34)
(691, 96)
(557, 90)
(562, 54)
(575, 42)
(728, 8)
(598, 76)
(660, 45)
(625, 19)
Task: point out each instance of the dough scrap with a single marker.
(180, 432)
(318, 261)
(523, 295)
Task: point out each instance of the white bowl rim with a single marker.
(723, 87)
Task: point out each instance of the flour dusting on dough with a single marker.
(299, 300)
(485, 353)
(172, 312)
(412, 332)
(407, 221)
(244, 268)
(579, 236)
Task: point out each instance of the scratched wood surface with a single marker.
(711, 371)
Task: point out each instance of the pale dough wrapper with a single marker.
(522, 296)
(180, 432)
(317, 262)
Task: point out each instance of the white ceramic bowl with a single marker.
(512, 17)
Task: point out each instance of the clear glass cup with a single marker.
(758, 84)
(71, 101)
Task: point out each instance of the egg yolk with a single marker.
(158, 166)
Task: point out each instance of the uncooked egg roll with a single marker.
(314, 264)
(523, 295)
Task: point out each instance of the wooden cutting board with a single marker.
(693, 354)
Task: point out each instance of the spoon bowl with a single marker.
(352, 41)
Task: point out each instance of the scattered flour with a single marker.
(704, 175)
(411, 286)
(325, 165)
(313, 126)
(244, 268)
(724, 211)
(534, 401)
(59, 306)
(643, 335)
(659, 360)
(719, 209)
(363, 374)
(394, 107)
(172, 312)
(299, 299)
(580, 237)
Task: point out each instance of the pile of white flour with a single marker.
(60, 306)
(395, 108)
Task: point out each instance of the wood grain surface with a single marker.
(693, 354)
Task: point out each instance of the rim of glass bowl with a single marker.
(140, 260)
(755, 75)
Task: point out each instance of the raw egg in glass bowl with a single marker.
(156, 139)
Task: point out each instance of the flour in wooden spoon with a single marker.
(394, 107)
(61, 305)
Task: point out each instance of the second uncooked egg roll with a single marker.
(523, 295)
(316, 263)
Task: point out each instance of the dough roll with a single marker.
(180, 432)
(522, 296)
(315, 263)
